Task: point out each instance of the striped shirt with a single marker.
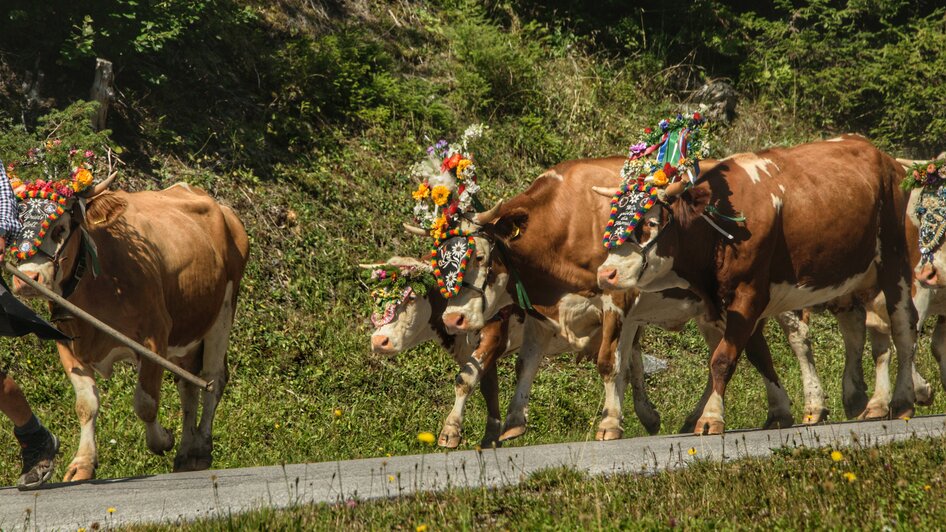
(10, 226)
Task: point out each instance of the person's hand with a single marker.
(3, 247)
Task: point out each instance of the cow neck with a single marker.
(437, 307)
(699, 244)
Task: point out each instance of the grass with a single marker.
(900, 486)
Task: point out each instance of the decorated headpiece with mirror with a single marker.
(447, 190)
(669, 153)
(930, 210)
(45, 183)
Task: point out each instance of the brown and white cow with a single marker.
(418, 319)
(550, 238)
(171, 265)
(823, 220)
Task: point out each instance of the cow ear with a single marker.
(692, 204)
(512, 225)
(104, 209)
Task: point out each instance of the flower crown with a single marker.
(391, 285)
(931, 174)
(448, 184)
(665, 154)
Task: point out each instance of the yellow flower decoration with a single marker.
(462, 165)
(83, 177)
(426, 437)
(850, 477)
(440, 194)
(440, 224)
(660, 178)
(837, 456)
(423, 190)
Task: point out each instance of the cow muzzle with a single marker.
(608, 278)
(928, 276)
(456, 322)
(22, 289)
(382, 344)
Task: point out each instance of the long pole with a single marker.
(98, 324)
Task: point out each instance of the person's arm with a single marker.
(9, 220)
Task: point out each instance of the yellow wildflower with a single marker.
(850, 477)
(426, 437)
(390, 478)
(337, 412)
(660, 178)
(837, 456)
(691, 451)
(111, 509)
(927, 487)
(440, 194)
(423, 190)
(421, 528)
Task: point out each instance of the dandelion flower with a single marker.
(927, 487)
(440, 194)
(850, 477)
(337, 412)
(691, 451)
(111, 509)
(426, 437)
(421, 528)
(390, 478)
(837, 456)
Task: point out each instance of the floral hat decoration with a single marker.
(394, 284)
(931, 206)
(447, 190)
(44, 182)
(669, 153)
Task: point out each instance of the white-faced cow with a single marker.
(416, 319)
(822, 220)
(549, 238)
(171, 264)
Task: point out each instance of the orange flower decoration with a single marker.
(450, 163)
(423, 190)
(440, 194)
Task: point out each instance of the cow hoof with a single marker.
(160, 440)
(651, 423)
(609, 434)
(489, 442)
(874, 411)
(709, 426)
(449, 439)
(901, 413)
(776, 421)
(855, 405)
(813, 416)
(79, 471)
(184, 463)
(512, 433)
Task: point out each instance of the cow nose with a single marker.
(380, 343)
(455, 321)
(607, 277)
(927, 275)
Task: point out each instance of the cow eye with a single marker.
(480, 257)
(652, 223)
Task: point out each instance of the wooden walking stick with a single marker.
(98, 324)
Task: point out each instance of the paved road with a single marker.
(173, 497)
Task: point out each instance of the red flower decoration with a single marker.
(450, 163)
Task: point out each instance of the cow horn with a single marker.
(675, 189)
(414, 230)
(485, 217)
(102, 186)
(371, 266)
(606, 192)
(907, 163)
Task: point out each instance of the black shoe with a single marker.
(39, 461)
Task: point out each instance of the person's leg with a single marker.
(38, 446)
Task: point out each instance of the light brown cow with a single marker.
(171, 265)
(823, 220)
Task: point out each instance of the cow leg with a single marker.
(938, 347)
(190, 401)
(852, 323)
(780, 407)
(741, 320)
(489, 387)
(712, 334)
(922, 388)
(646, 412)
(877, 407)
(794, 325)
(451, 434)
(612, 365)
(530, 357)
(903, 320)
(147, 397)
(82, 378)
